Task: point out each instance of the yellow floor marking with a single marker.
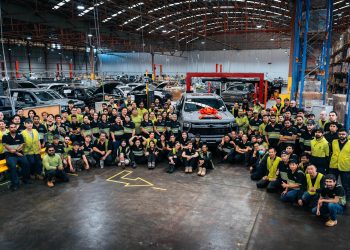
(162, 189)
(127, 181)
(5, 183)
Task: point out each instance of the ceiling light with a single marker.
(272, 39)
(164, 31)
(203, 42)
(89, 35)
(80, 7)
(259, 26)
(29, 38)
(347, 3)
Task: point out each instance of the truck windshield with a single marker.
(44, 96)
(199, 103)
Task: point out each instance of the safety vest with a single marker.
(148, 127)
(278, 110)
(31, 144)
(242, 123)
(340, 158)
(275, 135)
(2, 148)
(148, 140)
(128, 130)
(139, 152)
(322, 125)
(316, 185)
(262, 128)
(319, 148)
(272, 167)
(106, 144)
(118, 132)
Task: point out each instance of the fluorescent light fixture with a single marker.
(80, 7)
(29, 38)
(272, 39)
(203, 42)
(259, 26)
(60, 4)
(164, 31)
(89, 35)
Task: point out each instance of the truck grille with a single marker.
(210, 129)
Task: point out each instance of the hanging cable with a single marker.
(5, 64)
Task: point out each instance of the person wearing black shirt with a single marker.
(13, 143)
(282, 174)
(159, 126)
(123, 155)
(293, 188)
(152, 154)
(184, 140)
(85, 127)
(272, 132)
(129, 128)
(87, 148)
(162, 148)
(197, 143)
(332, 120)
(300, 129)
(103, 125)
(306, 137)
(226, 149)
(102, 150)
(76, 159)
(190, 157)
(114, 116)
(331, 135)
(174, 126)
(175, 158)
(288, 135)
(205, 161)
(94, 124)
(117, 134)
(58, 145)
(242, 150)
(74, 129)
(137, 154)
(332, 200)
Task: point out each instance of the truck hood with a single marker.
(64, 102)
(193, 117)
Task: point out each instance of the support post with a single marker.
(28, 58)
(347, 109)
(304, 56)
(220, 68)
(296, 42)
(45, 61)
(17, 69)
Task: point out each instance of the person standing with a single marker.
(320, 152)
(272, 132)
(53, 167)
(340, 160)
(14, 143)
(333, 119)
(332, 200)
(31, 149)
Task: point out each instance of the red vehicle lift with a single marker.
(260, 89)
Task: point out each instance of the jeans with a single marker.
(34, 162)
(331, 209)
(308, 199)
(58, 174)
(115, 145)
(98, 156)
(345, 181)
(11, 162)
(291, 196)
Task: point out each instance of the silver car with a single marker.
(38, 97)
(210, 127)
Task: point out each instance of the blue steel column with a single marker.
(295, 70)
(304, 56)
(347, 110)
(328, 47)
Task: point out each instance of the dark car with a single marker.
(81, 93)
(237, 92)
(104, 92)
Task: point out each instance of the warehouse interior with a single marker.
(106, 56)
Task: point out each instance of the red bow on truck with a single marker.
(208, 111)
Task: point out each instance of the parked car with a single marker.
(38, 97)
(54, 86)
(211, 128)
(23, 84)
(104, 92)
(161, 94)
(236, 92)
(78, 92)
(5, 106)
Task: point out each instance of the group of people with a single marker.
(286, 150)
(124, 135)
(294, 154)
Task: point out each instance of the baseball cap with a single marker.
(284, 152)
(292, 161)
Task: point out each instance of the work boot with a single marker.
(331, 223)
(190, 170)
(170, 169)
(39, 177)
(186, 169)
(204, 171)
(50, 184)
(123, 165)
(102, 164)
(199, 170)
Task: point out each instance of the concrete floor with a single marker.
(223, 210)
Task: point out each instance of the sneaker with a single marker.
(186, 169)
(123, 165)
(190, 169)
(39, 177)
(199, 170)
(331, 223)
(153, 164)
(133, 165)
(102, 164)
(149, 164)
(204, 171)
(50, 184)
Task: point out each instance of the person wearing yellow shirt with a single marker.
(136, 119)
(31, 149)
(314, 181)
(340, 161)
(3, 131)
(142, 110)
(271, 169)
(320, 151)
(80, 117)
(242, 121)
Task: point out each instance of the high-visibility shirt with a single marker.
(316, 185)
(31, 142)
(319, 147)
(2, 148)
(272, 167)
(262, 128)
(341, 157)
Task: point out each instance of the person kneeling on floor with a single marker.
(314, 181)
(123, 155)
(175, 158)
(332, 200)
(190, 157)
(293, 188)
(77, 159)
(271, 169)
(152, 154)
(102, 150)
(205, 161)
(53, 166)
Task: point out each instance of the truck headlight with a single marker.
(187, 124)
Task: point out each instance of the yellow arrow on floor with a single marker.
(121, 177)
